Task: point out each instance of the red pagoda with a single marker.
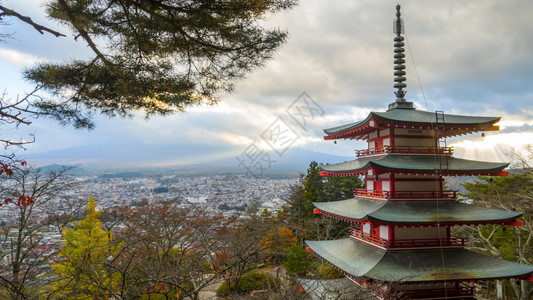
(400, 243)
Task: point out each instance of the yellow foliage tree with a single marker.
(277, 242)
(85, 267)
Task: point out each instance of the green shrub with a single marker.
(326, 271)
(298, 261)
(222, 289)
(247, 283)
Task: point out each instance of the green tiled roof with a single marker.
(413, 116)
(354, 209)
(343, 128)
(359, 259)
(414, 163)
(415, 212)
(356, 259)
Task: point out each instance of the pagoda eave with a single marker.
(379, 171)
(452, 125)
(359, 133)
(445, 131)
(355, 173)
(511, 222)
(443, 172)
(334, 216)
(378, 222)
(414, 213)
(416, 165)
(415, 266)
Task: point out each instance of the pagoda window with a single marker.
(385, 186)
(372, 145)
(370, 185)
(427, 133)
(417, 186)
(414, 138)
(414, 142)
(366, 228)
(384, 132)
(384, 232)
(423, 186)
(402, 233)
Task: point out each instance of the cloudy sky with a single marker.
(472, 57)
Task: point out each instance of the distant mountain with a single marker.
(184, 158)
(123, 175)
(128, 155)
(293, 160)
(290, 164)
(56, 168)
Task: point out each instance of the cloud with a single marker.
(492, 147)
(342, 54)
(471, 58)
(18, 59)
(524, 127)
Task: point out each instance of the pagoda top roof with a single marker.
(415, 212)
(414, 164)
(417, 118)
(359, 259)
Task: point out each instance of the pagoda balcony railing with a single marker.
(407, 243)
(415, 243)
(406, 150)
(406, 194)
(371, 193)
(359, 235)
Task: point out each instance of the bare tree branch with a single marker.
(40, 28)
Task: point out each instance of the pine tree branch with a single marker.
(83, 33)
(40, 28)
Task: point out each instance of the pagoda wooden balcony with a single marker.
(405, 150)
(421, 243)
(407, 243)
(406, 194)
(371, 193)
(360, 235)
(423, 194)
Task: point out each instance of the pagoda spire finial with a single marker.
(399, 61)
(398, 23)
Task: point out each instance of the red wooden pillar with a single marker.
(391, 137)
(392, 186)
